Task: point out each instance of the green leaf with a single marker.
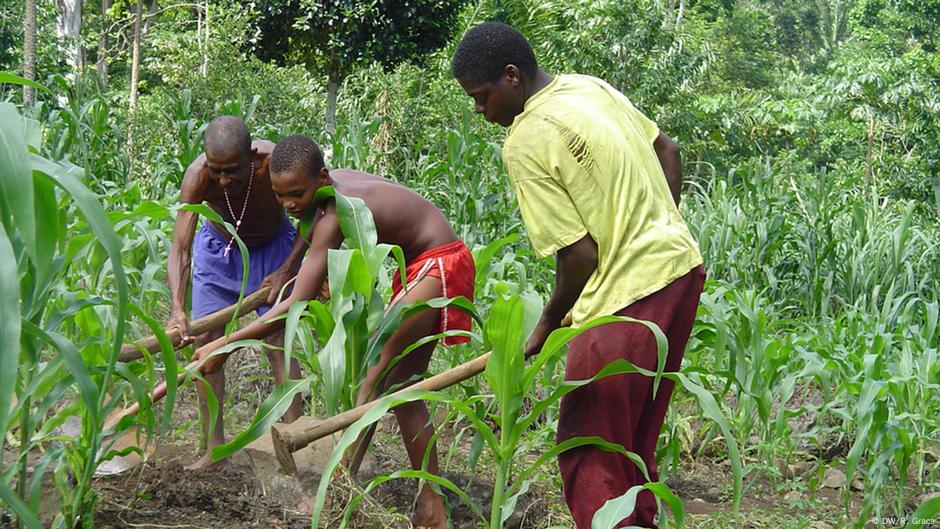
(9, 78)
(414, 474)
(615, 510)
(355, 218)
(484, 258)
(332, 360)
(16, 185)
(18, 507)
(88, 204)
(73, 358)
(929, 510)
(373, 415)
(576, 442)
(712, 411)
(170, 365)
(294, 313)
(505, 332)
(47, 229)
(270, 412)
(9, 328)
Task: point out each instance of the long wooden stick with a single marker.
(286, 443)
(155, 396)
(216, 320)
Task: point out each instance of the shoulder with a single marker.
(195, 180)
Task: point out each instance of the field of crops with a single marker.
(809, 395)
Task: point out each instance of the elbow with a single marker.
(669, 148)
(582, 256)
(666, 147)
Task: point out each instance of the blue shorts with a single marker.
(217, 279)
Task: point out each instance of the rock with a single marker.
(933, 454)
(800, 468)
(698, 500)
(858, 485)
(819, 524)
(793, 496)
(753, 440)
(834, 479)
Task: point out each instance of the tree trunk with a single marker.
(332, 89)
(681, 13)
(101, 64)
(135, 62)
(29, 51)
(670, 9)
(204, 37)
(69, 30)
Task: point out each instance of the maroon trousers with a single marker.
(621, 409)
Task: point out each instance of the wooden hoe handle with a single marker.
(286, 443)
(217, 319)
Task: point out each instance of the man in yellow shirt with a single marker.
(598, 185)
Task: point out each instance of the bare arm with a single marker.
(667, 151)
(179, 262)
(326, 235)
(277, 279)
(573, 267)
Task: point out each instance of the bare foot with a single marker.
(429, 512)
(205, 462)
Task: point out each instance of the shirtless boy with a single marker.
(439, 264)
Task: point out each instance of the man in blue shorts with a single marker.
(232, 177)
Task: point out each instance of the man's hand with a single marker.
(276, 280)
(180, 321)
(539, 335)
(207, 363)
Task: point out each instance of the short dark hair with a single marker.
(294, 152)
(486, 49)
(226, 134)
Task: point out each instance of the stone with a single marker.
(800, 468)
(858, 485)
(793, 496)
(834, 479)
(819, 524)
(932, 454)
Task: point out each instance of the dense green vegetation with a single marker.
(809, 138)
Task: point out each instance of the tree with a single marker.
(29, 50)
(69, 30)
(333, 36)
(135, 60)
(101, 64)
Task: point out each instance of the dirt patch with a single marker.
(163, 494)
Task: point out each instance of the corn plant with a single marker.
(516, 432)
(43, 202)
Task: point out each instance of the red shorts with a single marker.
(453, 264)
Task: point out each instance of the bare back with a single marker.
(402, 217)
